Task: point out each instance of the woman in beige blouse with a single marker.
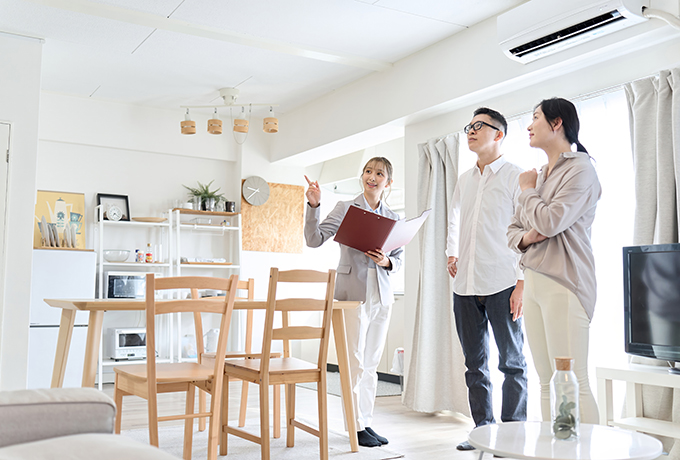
(551, 229)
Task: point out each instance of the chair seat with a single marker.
(168, 373)
(281, 370)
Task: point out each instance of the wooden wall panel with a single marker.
(277, 225)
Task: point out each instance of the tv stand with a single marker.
(635, 375)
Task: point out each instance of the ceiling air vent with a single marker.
(542, 27)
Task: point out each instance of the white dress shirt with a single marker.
(480, 213)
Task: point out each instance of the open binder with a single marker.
(365, 230)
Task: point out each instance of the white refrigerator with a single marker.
(58, 274)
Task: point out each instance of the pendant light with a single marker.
(188, 125)
(271, 123)
(240, 123)
(215, 124)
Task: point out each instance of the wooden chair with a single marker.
(207, 358)
(147, 380)
(286, 370)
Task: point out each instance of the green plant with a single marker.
(204, 191)
(564, 425)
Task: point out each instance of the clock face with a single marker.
(114, 213)
(255, 190)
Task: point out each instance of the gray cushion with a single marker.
(30, 415)
(84, 446)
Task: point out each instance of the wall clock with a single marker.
(255, 190)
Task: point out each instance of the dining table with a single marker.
(97, 308)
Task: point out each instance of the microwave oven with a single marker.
(125, 285)
(125, 343)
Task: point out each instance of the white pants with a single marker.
(366, 333)
(557, 325)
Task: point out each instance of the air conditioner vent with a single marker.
(539, 28)
(585, 27)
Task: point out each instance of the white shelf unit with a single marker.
(635, 375)
(225, 225)
(190, 229)
(163, 237)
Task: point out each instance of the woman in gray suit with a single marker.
(363, 277)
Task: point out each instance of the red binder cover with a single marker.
(364, 230)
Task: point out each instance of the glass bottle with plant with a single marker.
(209, 198)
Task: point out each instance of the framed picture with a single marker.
(62, 210)
(119, 201)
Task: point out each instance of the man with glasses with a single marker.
(488, 284)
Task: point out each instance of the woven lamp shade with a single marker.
(271, 125)
(188, 127)
(215, 126)
(240, 125)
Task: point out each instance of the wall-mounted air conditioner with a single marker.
(539, 28)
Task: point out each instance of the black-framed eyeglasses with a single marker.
(477, 125)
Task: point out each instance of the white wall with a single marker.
(20, 96)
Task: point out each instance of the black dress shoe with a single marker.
(383, 440)
(465, 446)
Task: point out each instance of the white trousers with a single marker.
(557, 325)
(366, 333)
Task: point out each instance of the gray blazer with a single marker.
(352, 270)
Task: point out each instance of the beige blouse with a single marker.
(561, 207)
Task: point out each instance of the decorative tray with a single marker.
(206, 263)
(149, 219)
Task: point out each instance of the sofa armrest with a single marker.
(31, 415)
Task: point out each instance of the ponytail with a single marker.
(563, 109)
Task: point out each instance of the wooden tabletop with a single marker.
(139, 304)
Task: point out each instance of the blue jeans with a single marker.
(473, 313)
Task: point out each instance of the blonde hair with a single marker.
(388, 169)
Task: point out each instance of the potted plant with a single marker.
(208, 198)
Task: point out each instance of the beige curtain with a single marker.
(436, 375)
(654, 106)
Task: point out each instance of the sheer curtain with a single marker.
(436, 374)
(654, 105)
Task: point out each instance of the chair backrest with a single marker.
(243, 285)
(287, 332)
(223, 306)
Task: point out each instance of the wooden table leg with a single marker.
(68, 319)
(94, 335)
(345, 378)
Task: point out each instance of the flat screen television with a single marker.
(651, 290)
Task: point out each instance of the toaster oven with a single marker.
(125, 343)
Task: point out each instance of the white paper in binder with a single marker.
(398, 361)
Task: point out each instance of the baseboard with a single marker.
(385, 377)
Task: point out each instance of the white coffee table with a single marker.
(534, 441)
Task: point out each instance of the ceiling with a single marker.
(169, 53)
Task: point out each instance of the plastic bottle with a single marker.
(564, 407)
(149, 254)
(139, 255)
(188, 346)
(210, 338)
